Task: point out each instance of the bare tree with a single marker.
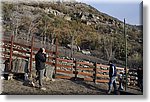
(109, 47)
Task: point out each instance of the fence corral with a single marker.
(64, 68)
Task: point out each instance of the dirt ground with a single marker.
(59, 87)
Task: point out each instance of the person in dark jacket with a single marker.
(40, 59)
(112, 77)
(140, 78)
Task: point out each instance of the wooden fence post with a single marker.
(31, 55)
(95, 72)
(75, 72)
(11, 53)
(56, 56)
(55, 67)
(5, 50)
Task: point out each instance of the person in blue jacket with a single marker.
(112, 77)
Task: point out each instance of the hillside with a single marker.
(74, 23)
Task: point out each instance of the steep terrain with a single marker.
(74, 23)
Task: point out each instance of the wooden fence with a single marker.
(64, 68)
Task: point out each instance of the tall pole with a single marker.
(72, 43)
(56, 55)
(125, 36)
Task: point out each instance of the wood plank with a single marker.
(86, 74)
(22, 45)
(63, 77)
(62, 71)
(102, 81)
(23, 51)
(99, 70)
(65, 66)
(119, 68)
(65, 60)
(81, 68)
(103, 66)
(101, 75)
(88, 79)
(18, 55)
(85, 63)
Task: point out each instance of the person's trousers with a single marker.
(40, 74)
(112, 83)
(120, 84)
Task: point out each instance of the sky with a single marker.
(120, 9)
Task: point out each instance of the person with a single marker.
(40, 59)
(48, 73)
(120, 77)
(112, 77)
(6, 69)
(140, 78)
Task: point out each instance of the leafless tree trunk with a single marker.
(32, 27)
(108, 48)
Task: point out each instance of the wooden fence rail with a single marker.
(64, 68)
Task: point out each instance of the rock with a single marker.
(68, 18)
